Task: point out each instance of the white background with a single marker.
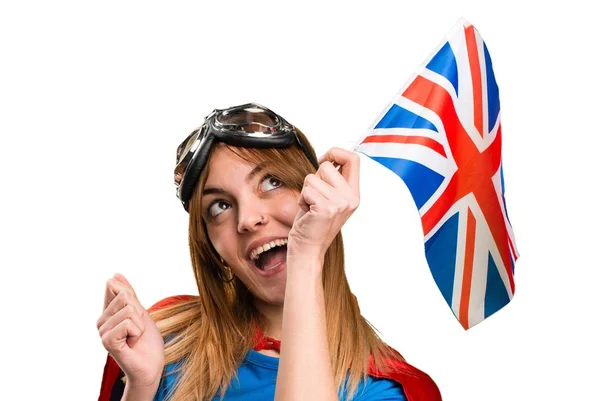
(95, 97)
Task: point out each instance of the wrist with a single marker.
(140, 392)
(305, 266)
(138, 379)
(311, 254)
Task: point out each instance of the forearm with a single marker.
(132, 393)
(305, 371)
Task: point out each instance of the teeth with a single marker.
(265, 247)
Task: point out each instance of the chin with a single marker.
(274, 297)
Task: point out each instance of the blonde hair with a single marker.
(210, 334)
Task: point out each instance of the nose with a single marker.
(251, 217)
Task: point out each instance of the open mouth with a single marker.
(269, 255)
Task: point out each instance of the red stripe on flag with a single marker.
(475, 169)
(465, 295)
(475, 77)
(415, 140)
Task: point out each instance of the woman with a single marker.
(275, 318)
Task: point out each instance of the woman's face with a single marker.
(248, 216)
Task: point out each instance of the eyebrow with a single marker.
(257, 169)
(212, 190)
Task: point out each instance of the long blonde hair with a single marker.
(210, 334)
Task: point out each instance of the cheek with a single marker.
(214, 235)
(289, 208)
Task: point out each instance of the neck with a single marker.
(274, 317)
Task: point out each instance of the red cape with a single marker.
(417, 385)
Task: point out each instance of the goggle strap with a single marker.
(195, 167)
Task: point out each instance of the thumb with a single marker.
(121, 278)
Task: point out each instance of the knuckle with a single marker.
(129, 291)
(119, 301)
(106, 342)
(342, 152)
(129, 310)
(102, 331)
(128, 324)
(309, 179)
(343, 205)
(124, 298)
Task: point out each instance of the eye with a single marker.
(270, 183)
(218, 207)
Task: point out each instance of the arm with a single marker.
(327, 200)
(305, 371)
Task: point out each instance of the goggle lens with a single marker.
(248, 119)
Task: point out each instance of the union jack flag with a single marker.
(441, 134)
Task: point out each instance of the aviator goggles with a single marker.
(250, 125)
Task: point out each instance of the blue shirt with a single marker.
(257, 376)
